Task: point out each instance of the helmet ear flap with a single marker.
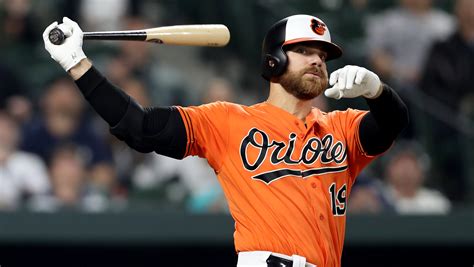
(274, 64)
(269, 65)
(273, 61)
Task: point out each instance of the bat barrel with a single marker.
(195, 35)
(116, 35)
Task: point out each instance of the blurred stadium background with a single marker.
(72, 195)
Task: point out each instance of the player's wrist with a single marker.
(79, 69)
(374, 85)
(375, 93)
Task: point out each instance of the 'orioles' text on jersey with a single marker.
(286, 180)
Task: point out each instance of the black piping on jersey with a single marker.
(191, 130)
(190, 134)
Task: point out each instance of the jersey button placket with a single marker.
(301, 129)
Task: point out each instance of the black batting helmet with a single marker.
(290, 30)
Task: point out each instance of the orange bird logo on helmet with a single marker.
(318, 27)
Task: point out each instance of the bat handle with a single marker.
(56, 36)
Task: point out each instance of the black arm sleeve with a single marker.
(388, 116)
(144, 129)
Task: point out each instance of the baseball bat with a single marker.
(193, 35)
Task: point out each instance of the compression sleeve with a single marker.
(107, 100)
(159, 129)
(388, 116)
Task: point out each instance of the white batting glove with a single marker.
(353, 81)
(69, 53)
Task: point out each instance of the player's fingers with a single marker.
(72, 23)
(333, 77)
(361, 73)
(351, 74)
(69, 21)
(47, 30)
(333, 92)
(66, 29)
(341, 81)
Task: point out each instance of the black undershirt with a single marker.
(378, 129)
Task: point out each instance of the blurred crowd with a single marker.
(56, 154)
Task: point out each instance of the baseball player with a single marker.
(286, 168)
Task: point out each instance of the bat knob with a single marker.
(56, 36)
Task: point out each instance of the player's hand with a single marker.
(69, 53)
(353, 81)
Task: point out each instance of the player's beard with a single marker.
(302, 86)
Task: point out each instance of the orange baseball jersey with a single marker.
(286, 181)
